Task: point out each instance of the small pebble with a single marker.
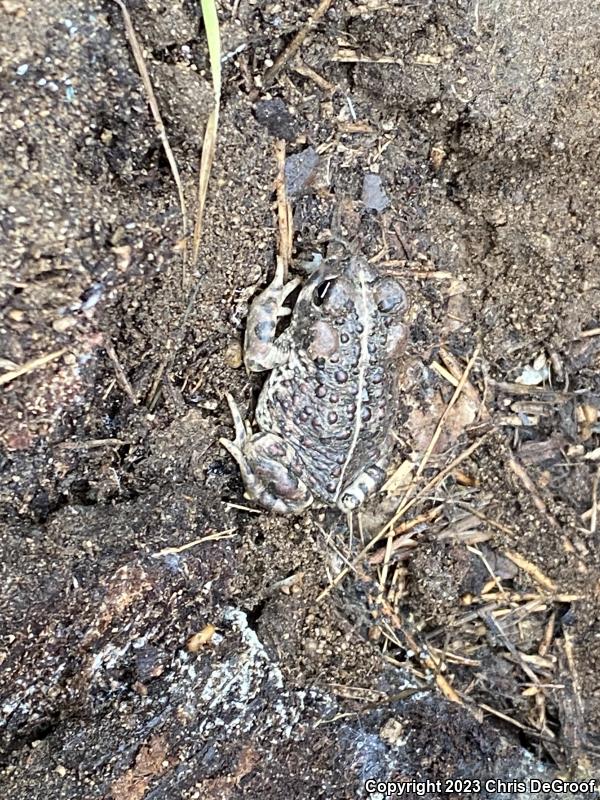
(233, 355)
(63, 324)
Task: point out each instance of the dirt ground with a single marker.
(159, 638)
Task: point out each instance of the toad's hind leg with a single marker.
(370, 480)
(264, 460)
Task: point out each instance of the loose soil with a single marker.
(161, 639)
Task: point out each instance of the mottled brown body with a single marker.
(327, 407)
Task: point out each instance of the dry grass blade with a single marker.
(407, 531)
(492, 523)
(402, 510)
(505, 717)
(521, 389)
(92, 444)
(29, 366)
(454, 368)
(531, 570)
(594, 515)
(138, 54)
(211, 26)
(429, 486)
(440, 426)
(347, 55)
(400, 634)
(443, 373)
(284, 210)
(497, 581)
(426, 659)
(211, 537)
(240, 507)
(544, 647)
(430, 448)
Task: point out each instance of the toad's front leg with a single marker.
(264, 460)
(262, 350)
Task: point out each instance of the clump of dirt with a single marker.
(161, 638)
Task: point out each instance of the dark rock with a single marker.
(274, 115)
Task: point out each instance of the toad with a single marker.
(326, 411)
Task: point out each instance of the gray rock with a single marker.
(374, 196)
(299, 170)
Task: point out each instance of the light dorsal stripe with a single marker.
(363, 364)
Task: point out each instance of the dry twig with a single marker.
(284, 210)
(120, 373)
(319, 80)
(292, 48)
(211, 537)
(519, 470)
(29, 366)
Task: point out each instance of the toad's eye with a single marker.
(334, 296)
(321, 292)
(390, 296)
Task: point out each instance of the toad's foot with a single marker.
(264, 460)
(370, 480)
(262, 351)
